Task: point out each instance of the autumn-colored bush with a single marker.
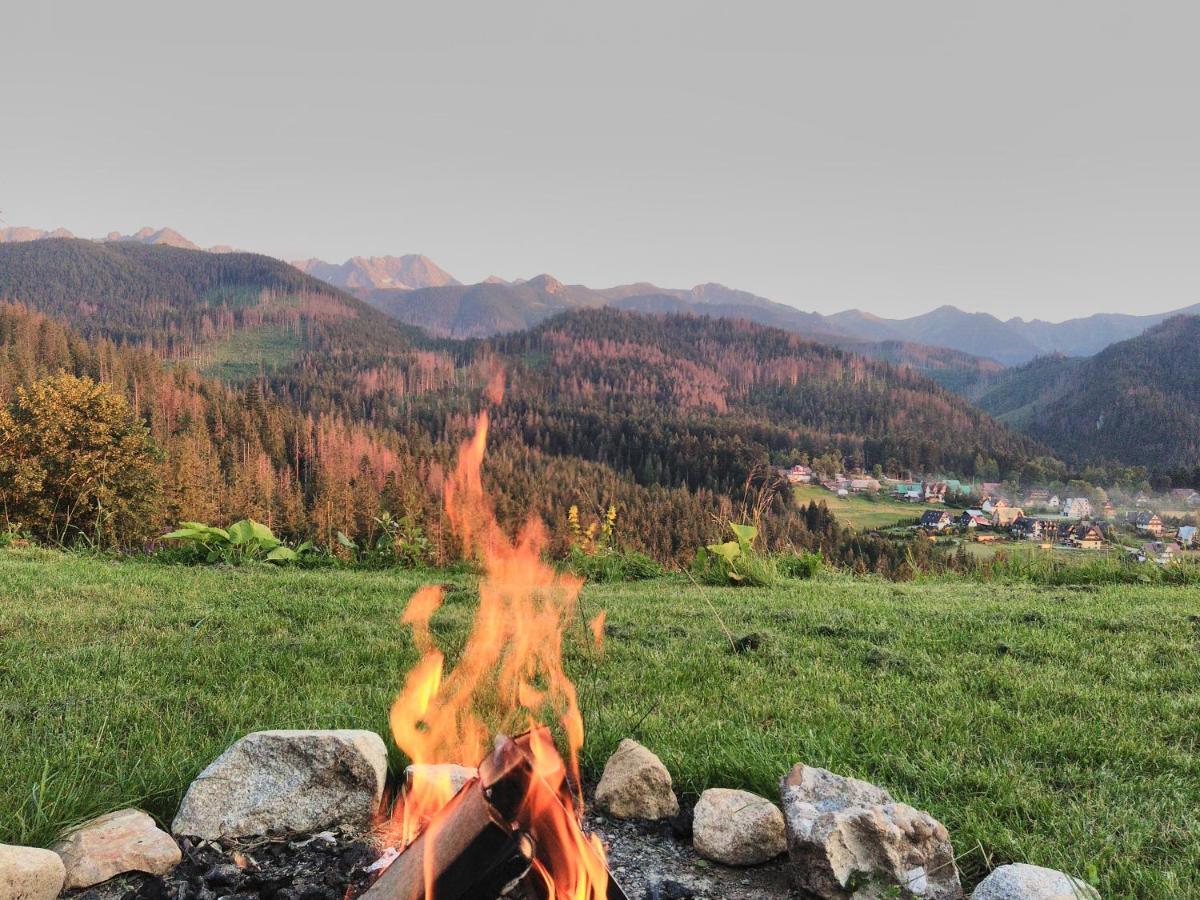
(75, 463)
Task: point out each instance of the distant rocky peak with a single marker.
(147, 235)
(547, 283)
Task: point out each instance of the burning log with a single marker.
(520, 814)
(500, 826)
(464, 854)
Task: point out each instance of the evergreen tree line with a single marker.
(224, 453)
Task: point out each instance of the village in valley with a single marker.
(1147, 527)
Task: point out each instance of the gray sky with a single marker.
(1021, 158)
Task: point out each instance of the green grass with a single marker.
(244, 354)
(861, 512)
(1051, 725)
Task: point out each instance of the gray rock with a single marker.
(636, 785)
(124, 841)
(850, 839)
(1021, 881)
(30, 873)
(286, 780)
(737, 828)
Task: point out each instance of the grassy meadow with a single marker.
(1051, 725)
(860, 511)
(247, 353)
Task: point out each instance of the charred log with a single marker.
(483, 842)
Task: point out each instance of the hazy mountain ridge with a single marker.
(1012, 342)
(167, 236)
(495, 307)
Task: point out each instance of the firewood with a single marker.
(464, 854)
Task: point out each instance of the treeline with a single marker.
(226, 453)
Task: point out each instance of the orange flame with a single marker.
(509, 676)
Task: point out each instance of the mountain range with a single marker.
(1011, 342)
(274, 394)
(240, 314)
(495, 306)
(414, 289)
(244, 316)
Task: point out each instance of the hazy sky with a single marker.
(1021, 158)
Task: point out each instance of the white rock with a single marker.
(1021, 881)
(287, 781)
(124, 841)
(850, 839)
(636, 785)
(458, 775)
(30, 873)
(737, 828)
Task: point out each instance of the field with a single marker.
(860, 511)
(246, 353)
(1052, 725)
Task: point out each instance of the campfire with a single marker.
(515, 824)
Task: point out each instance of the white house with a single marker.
(799, 475)
(1077, 508)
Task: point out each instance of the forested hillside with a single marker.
(668, 417)
(694, 400)
(236, 310)
(1019, 396)
(1136, 402)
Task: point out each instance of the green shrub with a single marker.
(401, 542)
(243, 541)
(612, 565)
(799, 565)
(12, 535)
(735, 562)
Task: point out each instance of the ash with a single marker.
(655, 861)
(325, 866)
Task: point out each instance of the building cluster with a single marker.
(1038, 514)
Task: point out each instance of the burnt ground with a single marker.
(650, 860)
(325, 866)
